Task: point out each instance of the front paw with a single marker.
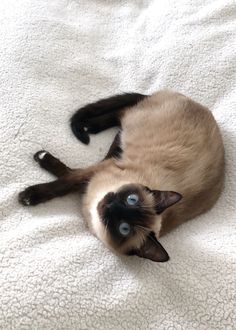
(30, 196)
(40, 155)
(80, 130)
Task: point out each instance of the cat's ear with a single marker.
(164, 199)
(152, 250)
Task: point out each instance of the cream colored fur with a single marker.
(169, 142)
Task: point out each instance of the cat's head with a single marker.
(128, 217)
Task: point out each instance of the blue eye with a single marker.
(132, 199)
(124, 229)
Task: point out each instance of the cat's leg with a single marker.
(96, 117)
(51, 163)
(66, 183)
(76, 180)
(43, 192)
(115, 148)
(72, 181)
(54, 166)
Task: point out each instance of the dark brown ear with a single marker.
(152, 250)
(165, 199)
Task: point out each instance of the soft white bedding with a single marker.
(56, 56)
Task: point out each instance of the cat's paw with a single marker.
(80, 130)
(40, 155)
(30, 196)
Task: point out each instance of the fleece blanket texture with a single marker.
(56, 56)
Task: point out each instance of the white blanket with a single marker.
(56, 56)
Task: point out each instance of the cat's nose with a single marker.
(109, 205)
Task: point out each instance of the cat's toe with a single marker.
(40, 155)
(29, 197)
(23, 199)
(79, 130)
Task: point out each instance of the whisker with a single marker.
(145, 207)
(144, 228)
(147, 230)
(141, 236)
(152, 239)
(105, 227)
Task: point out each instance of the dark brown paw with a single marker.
(40, 155)
(83, 125)
(30, 196)
(80, 131)
(50, 163)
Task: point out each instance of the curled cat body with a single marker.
(165, 166)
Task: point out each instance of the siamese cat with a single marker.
(164, 167)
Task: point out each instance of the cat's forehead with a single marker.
(144, 195)
(130, 188)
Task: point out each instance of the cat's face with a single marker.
(128, 217)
